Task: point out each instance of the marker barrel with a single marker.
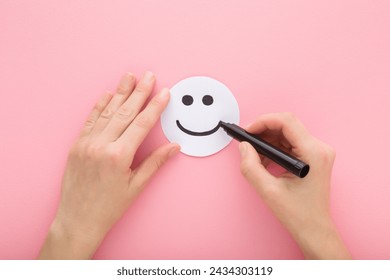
(289, 162)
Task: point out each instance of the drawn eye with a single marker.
(187, 100)
(207, 100)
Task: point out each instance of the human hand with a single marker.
(100, 182)
(301, 205)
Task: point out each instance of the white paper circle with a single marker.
(192, 116)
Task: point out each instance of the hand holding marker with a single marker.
(290, 163)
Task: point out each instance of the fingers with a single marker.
(152, 164)
(254, 171)
(133, 136)
(123, 91)
(291, 128)
(126, 113)
(95, 113)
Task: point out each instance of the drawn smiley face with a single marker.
(192, 117)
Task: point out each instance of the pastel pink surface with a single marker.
(326, 61)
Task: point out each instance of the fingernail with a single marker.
(248, 126)
(130, 75)
(163, 94)
(125, 82)
(243, 148)
(127, 78)
(148, 76)
(174, 151)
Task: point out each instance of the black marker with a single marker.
(290, 163)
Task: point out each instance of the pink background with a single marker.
(326, 61)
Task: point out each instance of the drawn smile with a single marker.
(194, 133)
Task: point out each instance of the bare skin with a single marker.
(301, 205)
(100, 181)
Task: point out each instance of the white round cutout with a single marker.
(192, 116)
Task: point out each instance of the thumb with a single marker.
(254, 171)
(152, 164)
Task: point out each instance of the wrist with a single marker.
(66, 243)
(321, 241)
